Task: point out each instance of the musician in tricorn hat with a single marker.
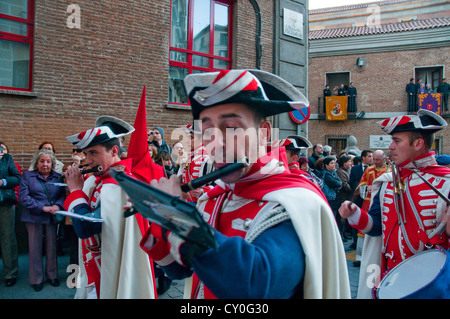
(111, 263)
(276, 234)
(293, 145)
(405, 216)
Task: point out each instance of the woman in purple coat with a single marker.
(41, 198)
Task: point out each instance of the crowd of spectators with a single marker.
(39, 193)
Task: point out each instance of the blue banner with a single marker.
(431, 102)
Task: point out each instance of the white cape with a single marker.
(371, 253)
(126, 272)
(326, 274)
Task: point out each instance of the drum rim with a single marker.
(437, 249)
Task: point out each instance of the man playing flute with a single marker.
(276, 234)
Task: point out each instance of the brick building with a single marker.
(378, 46)
(63, 64)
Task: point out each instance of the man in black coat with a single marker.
(351, 93)
(444, 89)
(411, 92)
(342, 91)
(316, 154)
(356, 173)
(326, 92)
(9, 178)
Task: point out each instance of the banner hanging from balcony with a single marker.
(336, 107)
(431, 102)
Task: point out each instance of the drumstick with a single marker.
(398, 192)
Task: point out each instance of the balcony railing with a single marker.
(445, 111)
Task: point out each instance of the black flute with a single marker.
(92, 170)
(201, 181)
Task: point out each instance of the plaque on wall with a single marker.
(293, 24)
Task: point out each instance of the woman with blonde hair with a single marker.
(41, 198)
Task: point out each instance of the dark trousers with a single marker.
(351, 104)
(37, 234)
(8, 242)
(444, 102)
(412, 103)
(335, 205)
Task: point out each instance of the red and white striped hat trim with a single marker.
(286, 142)
(414, 122)
(83, 139)
(223, 86)
(388, 125)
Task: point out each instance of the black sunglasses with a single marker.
(77, 150)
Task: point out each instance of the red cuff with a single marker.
(158, 250)
(361, 221)
(75, 198)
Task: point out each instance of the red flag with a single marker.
(143, 167)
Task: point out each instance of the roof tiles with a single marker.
(379, 29)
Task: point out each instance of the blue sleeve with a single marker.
(26, 198)
(58, 192)
(13, 177)
(85, 229)
(375, 213)
(272, 266)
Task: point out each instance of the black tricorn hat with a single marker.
(425, 120)
(293, 142)
(263, 90)
(106, 128)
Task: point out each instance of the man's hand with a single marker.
(171, 186)
(74, 179)
(196, 193)
(347, 209)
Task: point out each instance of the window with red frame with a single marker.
(200, 41)
(16, 44)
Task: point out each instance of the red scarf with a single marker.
(426, 163)
(268, 174)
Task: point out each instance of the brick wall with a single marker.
(381, 88)
(101, 68)
(244, 33)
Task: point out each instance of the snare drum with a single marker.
(425, 275)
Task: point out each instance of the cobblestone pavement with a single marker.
(23, 290)
(177, 288)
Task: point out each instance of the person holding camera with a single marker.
(9, 178)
